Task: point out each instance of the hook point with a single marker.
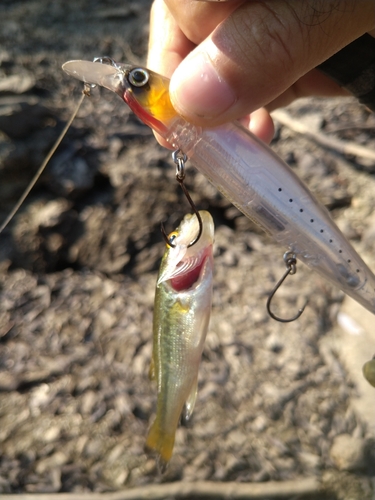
(291, 268)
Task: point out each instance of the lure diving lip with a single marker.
(248, 173)
(93, 73)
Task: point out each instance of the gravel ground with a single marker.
(78, 271)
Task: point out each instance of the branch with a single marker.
(199, 489)
(346, 148)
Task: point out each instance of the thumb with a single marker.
(259, 51)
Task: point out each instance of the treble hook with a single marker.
(179, 159)
(291, 268)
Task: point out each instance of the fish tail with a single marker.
(161, 442)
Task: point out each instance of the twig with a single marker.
(350, 126)
(347, 148)
(199, 489)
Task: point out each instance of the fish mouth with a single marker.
(188, 271)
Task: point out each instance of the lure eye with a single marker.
(138, 77)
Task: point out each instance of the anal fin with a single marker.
(188, 408)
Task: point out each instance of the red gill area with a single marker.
(142, 114)
(186, 280)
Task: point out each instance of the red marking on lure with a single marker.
(142, 114)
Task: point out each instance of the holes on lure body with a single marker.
(349, 273)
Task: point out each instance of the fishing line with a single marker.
(44, 164)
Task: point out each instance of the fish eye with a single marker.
(138, 77)
(172, 236)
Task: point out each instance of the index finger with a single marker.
(168, 45)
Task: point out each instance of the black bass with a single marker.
(181, 316)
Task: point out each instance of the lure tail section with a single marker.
(268, 192)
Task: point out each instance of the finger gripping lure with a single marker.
(247, 172)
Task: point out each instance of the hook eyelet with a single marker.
(179, 159)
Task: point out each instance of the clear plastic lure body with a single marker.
(248, 173)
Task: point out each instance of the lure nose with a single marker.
(105, 75)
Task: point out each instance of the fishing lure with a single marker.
(181, 316)
(247, 172)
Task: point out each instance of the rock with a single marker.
(50, 214)
(348, 453)
(17, 84)
(274, 342)
(57, 459)
(310, 460)
(369, 371)
(69, 173)
(19, 120)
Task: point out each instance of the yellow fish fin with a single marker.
(161, 442)
(151, 371)
(188, 408)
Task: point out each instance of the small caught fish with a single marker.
(247, 172)
(181, 316)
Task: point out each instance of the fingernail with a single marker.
(198, 90)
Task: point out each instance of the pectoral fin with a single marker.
(188, 408)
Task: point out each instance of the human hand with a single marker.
(229, 59)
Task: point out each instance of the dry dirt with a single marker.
(78, 269)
